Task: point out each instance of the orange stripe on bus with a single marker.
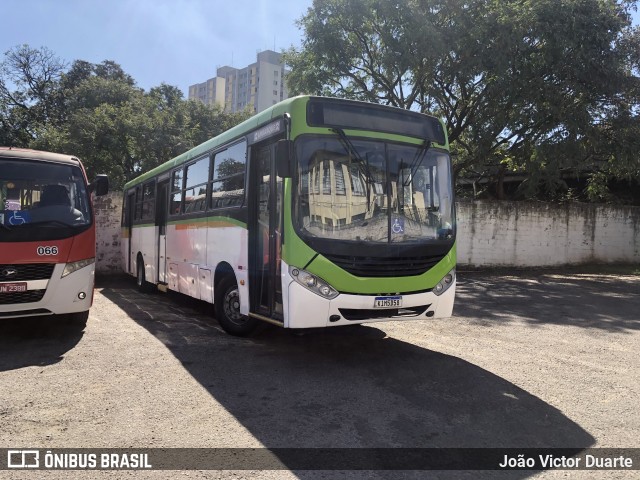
(208, 224)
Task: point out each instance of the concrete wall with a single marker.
(544, 234)
(489, 234)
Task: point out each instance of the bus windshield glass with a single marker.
(375, 191)
(40, 196)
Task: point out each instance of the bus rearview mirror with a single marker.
(284, 150)
(100, 185)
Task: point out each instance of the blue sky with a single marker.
(179, 42)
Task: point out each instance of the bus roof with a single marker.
(239, 130)
(257, 120)
(28, 154)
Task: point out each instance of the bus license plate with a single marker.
(388, 302)
(13, 287)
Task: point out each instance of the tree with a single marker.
(97, 112)
(521, 85)
(28, 95)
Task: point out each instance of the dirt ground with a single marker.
(533, 359)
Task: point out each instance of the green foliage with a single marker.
(544, 88)
(95, 111)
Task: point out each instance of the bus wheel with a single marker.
(227, 308)
(78, 318)
(141, 282)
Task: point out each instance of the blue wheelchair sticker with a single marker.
(397, 227)
(17, 217)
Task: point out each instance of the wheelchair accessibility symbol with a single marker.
(18, 218)
(397, 226)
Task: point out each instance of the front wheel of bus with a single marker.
(227, 308)
(77, 318)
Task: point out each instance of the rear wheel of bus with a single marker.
(227, 309)
(141, 281)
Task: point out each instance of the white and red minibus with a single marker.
(47, 234)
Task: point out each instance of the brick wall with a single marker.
(489, 233)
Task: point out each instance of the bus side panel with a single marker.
(186, 250)
(144, 242)
(228, 243)
(183, 245)
(149, 244)
(134, 242)
(124, 249)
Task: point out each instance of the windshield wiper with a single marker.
(6, 227)
(417, 161)
(363, 165)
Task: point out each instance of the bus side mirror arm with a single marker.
(284, 158)
(100, 185)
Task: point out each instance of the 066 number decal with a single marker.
(47, 250)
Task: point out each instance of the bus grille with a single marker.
(355, 314)
(27, 271)
(384, 267)
(21, 297)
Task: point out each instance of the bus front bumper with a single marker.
(310, 310)
(69, 294)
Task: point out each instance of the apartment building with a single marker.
(256, 86)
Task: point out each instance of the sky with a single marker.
(177, 42)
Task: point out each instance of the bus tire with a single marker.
(78, 318)
(227, 309)
(141, 281)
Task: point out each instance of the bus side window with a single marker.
(137, 212)
(176, 192)
(148, 200)
(227, 182)
(196, 178)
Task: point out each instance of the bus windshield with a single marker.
(36, 197)
(373, 191)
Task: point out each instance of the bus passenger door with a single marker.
(265, 227)
(161, 222)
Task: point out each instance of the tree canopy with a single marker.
(97, 112)
(545, 88)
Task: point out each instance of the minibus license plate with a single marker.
(388, 302)
(13, 287)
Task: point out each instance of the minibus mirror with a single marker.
(284, 150)
(100, 185)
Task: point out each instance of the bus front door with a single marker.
(265, 227)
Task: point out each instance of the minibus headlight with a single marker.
(73, 266)
(313, 283)
(444, 284)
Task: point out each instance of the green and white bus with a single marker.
(315, 212)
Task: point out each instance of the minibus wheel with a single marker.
(227, 308)
(77, 318)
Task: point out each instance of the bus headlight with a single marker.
(313, 283)
(73, 266)
(444, 284)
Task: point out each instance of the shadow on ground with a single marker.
(347, 387)
(602, 302)
(40, 341)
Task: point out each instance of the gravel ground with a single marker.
(534, 359)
